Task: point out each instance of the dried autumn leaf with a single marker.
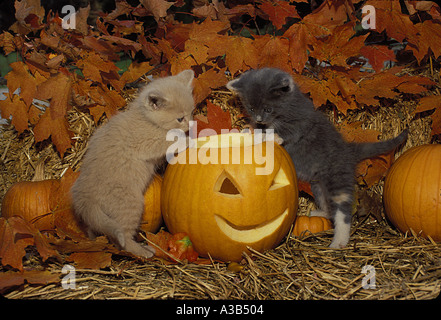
(331, 13)
(93, 65)
(273, 52)
(61, 204)
(15, 235)
(12, 247)
(135, 71)
(10, 279)
(278, 11)
(91, 260)
(21, 77)
(301, 37)
(157, 7)
(217, 119)
(339, 46)
(428, 37)
(57, 89)
(240, 53)
(57, 129)
(377, 55)
(205, 82)
(430, 103)
(388, 17)
(18, 110)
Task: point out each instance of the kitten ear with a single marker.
(234, 85)
(155, 100)
(186, 77)
(285, 85)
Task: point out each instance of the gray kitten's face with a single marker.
(262, 92)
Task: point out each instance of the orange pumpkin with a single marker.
(225, 206)
(31, 200)
(152, 217)
(412, 191)
(311, 224)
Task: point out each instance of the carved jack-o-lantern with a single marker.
(226, 206)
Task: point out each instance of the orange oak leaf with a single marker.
(21, 77)
(301, 37)
(278, 11)
(58, 90)
(94, 67)
(331, 13)
(377, 55)
(216, 120)
(157, 7)
(55, 128)
(135, 71)
(18, 110)
(15, 236)
(335, 87)
(91, 260)
(11, 279)
(240, 53)
(430, 103)
(372, 87)
(206, 81)
(339, 46)
(389, 17)
(61, 207)
(273, 52)
(429, 37)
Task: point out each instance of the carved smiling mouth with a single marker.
(253, 233)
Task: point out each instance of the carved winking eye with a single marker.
(280, 180)
(226, 186)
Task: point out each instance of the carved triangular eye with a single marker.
(280, 180)
(226, 186)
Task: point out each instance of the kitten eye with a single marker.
(251, 109)
(180, 119)
(268, 110)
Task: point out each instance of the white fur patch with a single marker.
(342, 231)
(342, 197)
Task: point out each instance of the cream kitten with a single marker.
(121, 158)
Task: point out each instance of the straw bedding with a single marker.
(405, 266)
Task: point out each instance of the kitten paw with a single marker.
(337, 245)
(278, 139)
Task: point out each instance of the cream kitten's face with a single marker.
(168, 102)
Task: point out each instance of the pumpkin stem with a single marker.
(39, 171)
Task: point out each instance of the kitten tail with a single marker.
(369, 150)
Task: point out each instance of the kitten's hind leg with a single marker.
(320, 197)
(341, 204)
(137, 248)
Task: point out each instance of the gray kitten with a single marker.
(122, 157)
(319, 153)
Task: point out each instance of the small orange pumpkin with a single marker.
(311, 224)
(31, 200)
(412, 191)
(152, 217)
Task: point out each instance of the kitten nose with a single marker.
(259, 118)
